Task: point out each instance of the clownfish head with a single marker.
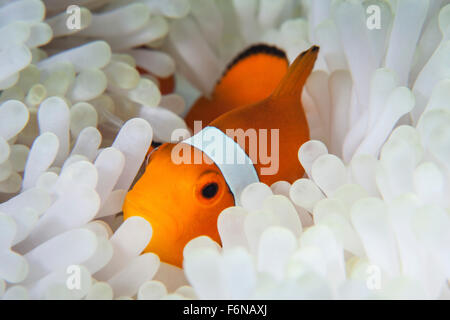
(181, 201)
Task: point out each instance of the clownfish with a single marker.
(258, 90)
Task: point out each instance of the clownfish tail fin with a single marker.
(299, 70)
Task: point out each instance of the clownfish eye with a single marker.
(210, 190)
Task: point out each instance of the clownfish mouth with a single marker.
(159, 220)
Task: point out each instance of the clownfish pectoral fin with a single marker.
(298, 72)
(252, 75)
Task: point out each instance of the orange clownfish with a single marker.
(259, 90)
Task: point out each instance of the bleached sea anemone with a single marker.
(370, 219)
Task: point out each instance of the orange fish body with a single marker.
(183, 201)
(251, 77)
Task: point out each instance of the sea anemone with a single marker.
(370, 219)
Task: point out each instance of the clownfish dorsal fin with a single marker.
(252, 75)
(298, 72)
